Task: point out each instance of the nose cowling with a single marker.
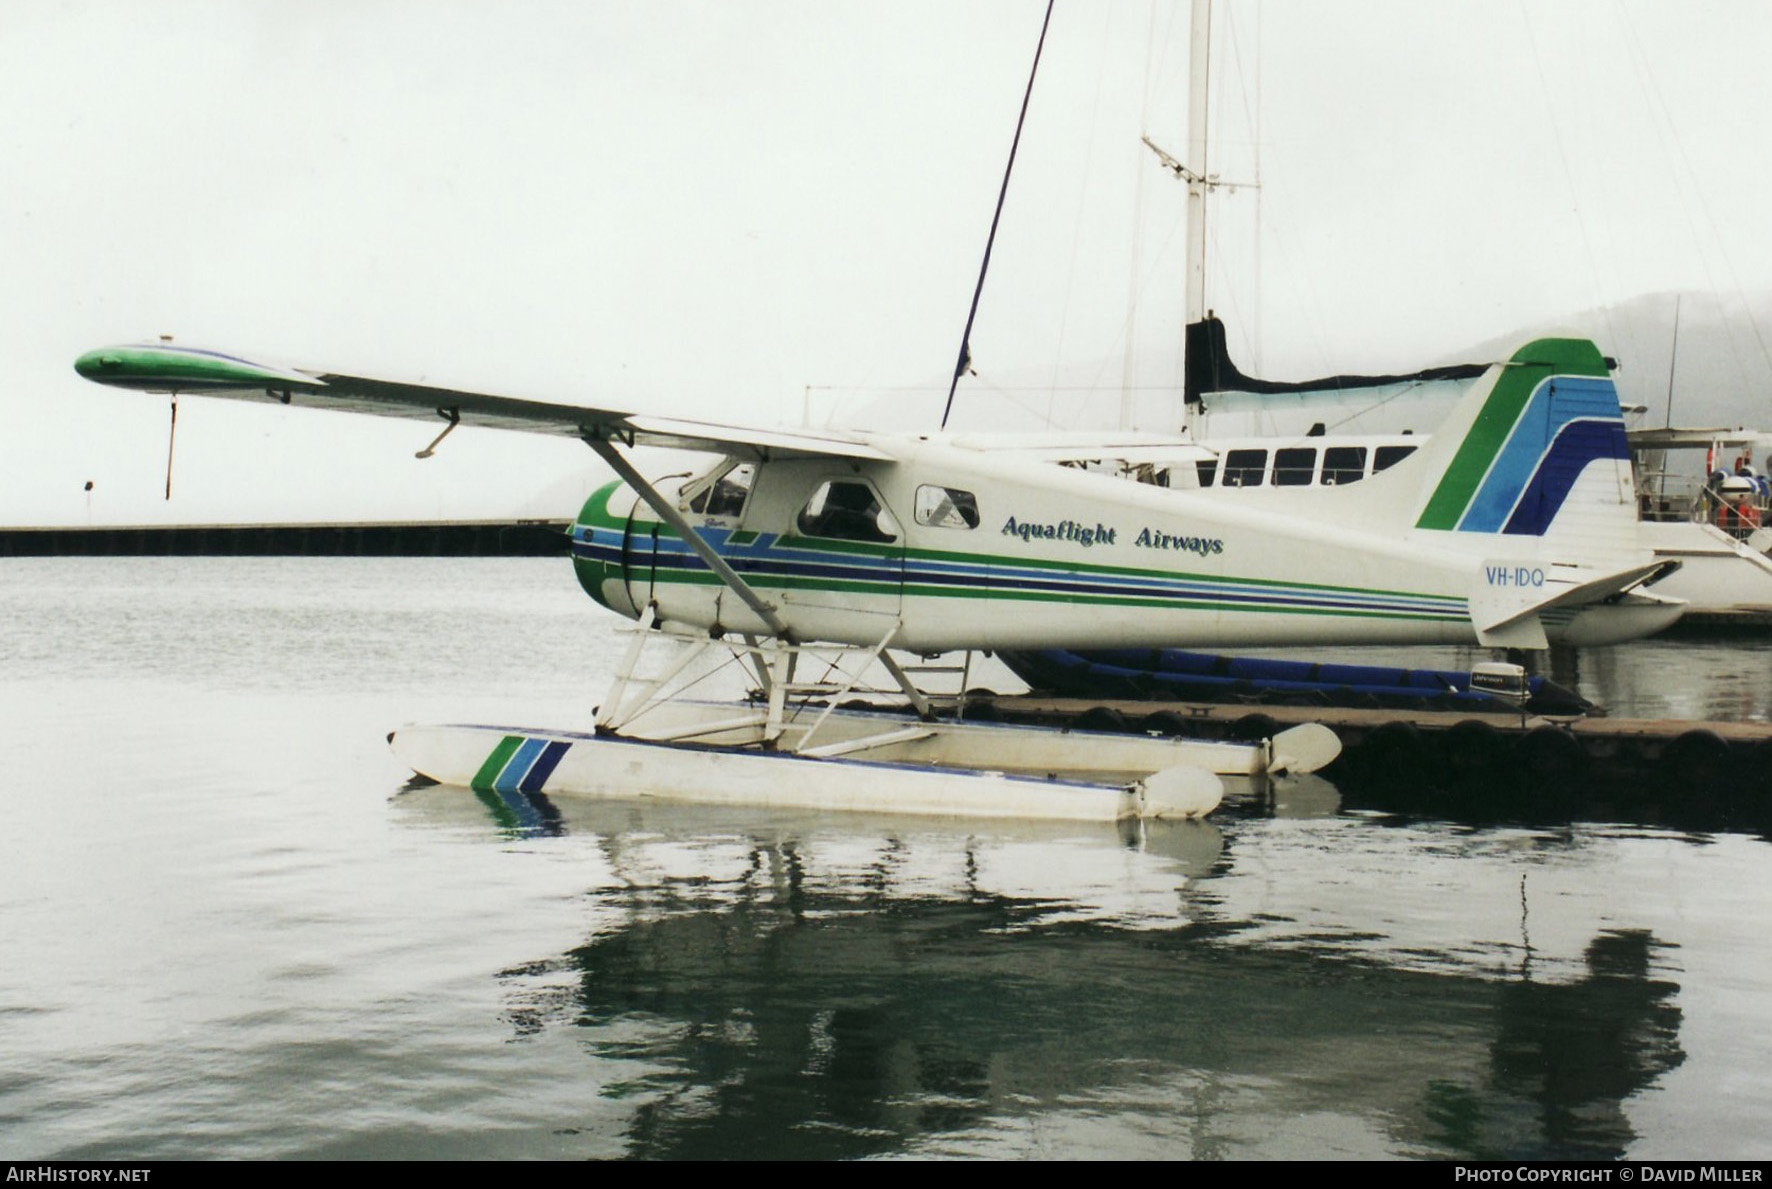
(599, 549)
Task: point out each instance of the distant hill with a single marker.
(1723, 373)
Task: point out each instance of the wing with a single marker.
(164, 367)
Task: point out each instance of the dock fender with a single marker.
(1473, 748)
(1396, 755)
(1697, 759)
(1252, 728)
(1182, 791)
(1104, 719)
(1306, 747)
(980, 711)
(1166, 723)
(1757, 771)
(1550, 753)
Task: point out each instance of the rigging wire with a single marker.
(1640, 62)
(1123, 340)
(1568, 177)
(1082, 204)
(1156, 55)
(1248, 327)
(965, 360)
(1673, 360)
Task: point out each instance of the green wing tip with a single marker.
(160, 368)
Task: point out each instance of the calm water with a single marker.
(226, 931)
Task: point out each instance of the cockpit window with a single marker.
(944, 507)
(848, 511)
(727, 494)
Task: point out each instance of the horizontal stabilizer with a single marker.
(1507, 603)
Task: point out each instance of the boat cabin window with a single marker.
(848, 511)
(726, 495)
(1344, 464)
(1244, 468)
(1295, 467)
(1208, 470)
(1390, 456)
(944, 507)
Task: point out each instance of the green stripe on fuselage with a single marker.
(1530, 367)
(1175, 602)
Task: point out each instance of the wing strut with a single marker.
(607, 451)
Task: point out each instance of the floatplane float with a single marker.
(1514, 526)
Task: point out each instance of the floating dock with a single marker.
(1447, 748)
(466, 538)
(1723, 621)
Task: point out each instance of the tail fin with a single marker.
(1535, 459)
(1538, 450)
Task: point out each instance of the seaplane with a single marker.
(1513, 526)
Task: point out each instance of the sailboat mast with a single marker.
(1199, 83)
(1199, 93)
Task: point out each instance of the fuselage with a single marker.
(950, 548)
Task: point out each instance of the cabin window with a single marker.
(1295, 467)
(1390, 456)
(726, 496)
(944, 507)
(1208, 470)
(1244, 468)
(848, 511)
(1344, 464)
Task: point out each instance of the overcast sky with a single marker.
(748, 209)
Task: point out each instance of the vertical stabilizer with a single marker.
(1538, 451)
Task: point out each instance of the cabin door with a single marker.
(838, 570)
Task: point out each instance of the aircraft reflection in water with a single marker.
(799, 991)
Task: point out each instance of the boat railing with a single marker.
(1665, 497)
(1736, 504)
